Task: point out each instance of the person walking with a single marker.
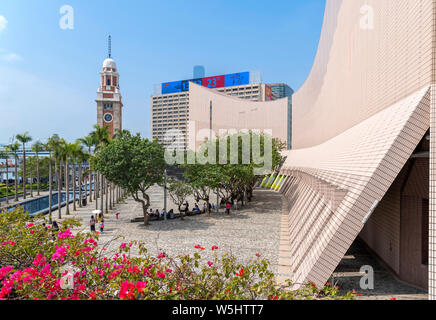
(228, 207)
(102, 225)
(92, 224)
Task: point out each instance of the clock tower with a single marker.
(109, 100)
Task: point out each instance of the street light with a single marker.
(165, 194)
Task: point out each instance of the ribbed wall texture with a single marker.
(359, 72)
(358, 118)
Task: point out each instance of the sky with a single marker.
(49, 75)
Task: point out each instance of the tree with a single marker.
(24, 138)
(56, 146)
(88, 142)
(203, 179)
(50, 147)
(133, 163)
(76, 151)
(5, 155)
(13, 148)
(179, 191)
(101, 138)
(38, 147)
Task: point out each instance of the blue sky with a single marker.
(49, 76)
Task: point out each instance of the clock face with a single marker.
(108, 117)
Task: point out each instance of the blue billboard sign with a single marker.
(237, 79)
(230, 80)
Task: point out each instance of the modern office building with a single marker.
(364, 133)
(199, 72)
(172, 107)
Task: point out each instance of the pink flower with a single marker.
(168, 270)
(30, 225)
(40, 260)
(66, 234)
(240, 273)
(127, 290)
(4, 271)
(60, 253)
(140, 285)
(161, 255)
(214, 248)
(9, 242)
(161, 275)
(210, 263)
(123, 245)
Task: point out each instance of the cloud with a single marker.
(11, 57)
(3, 23)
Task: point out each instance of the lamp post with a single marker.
(210, 140)
(165, 194)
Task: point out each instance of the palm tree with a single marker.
(5, 155)
(14, 148)
(88, 142)
(57, 146)
(101, 138)
(38, 147)
(82, 158)
(51, 145)
(75, 152)
(66, 154)
(24, 138)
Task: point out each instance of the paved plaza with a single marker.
(245, 232)
(255, 228)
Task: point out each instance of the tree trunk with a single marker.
(7, 182)
(80, 185)
(96, 187)
(15, 178)
(106, 196)
(50, 189)
(74, 187)
(31, 182)
(182, 214)
(110, 196)
(67, 187)
(90, 182)
(144, 210)
(59, 185)
(24, 172)
(101, 193)
(38, 173)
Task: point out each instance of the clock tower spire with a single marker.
(109, 100)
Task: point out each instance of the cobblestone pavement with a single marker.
(386, 286)
(253, 229)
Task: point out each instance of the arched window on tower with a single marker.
(108, 81)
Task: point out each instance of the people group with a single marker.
(99, 221)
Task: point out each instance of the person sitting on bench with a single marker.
(196, 209)
(170, 214)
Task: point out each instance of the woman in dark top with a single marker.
(92, 224)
